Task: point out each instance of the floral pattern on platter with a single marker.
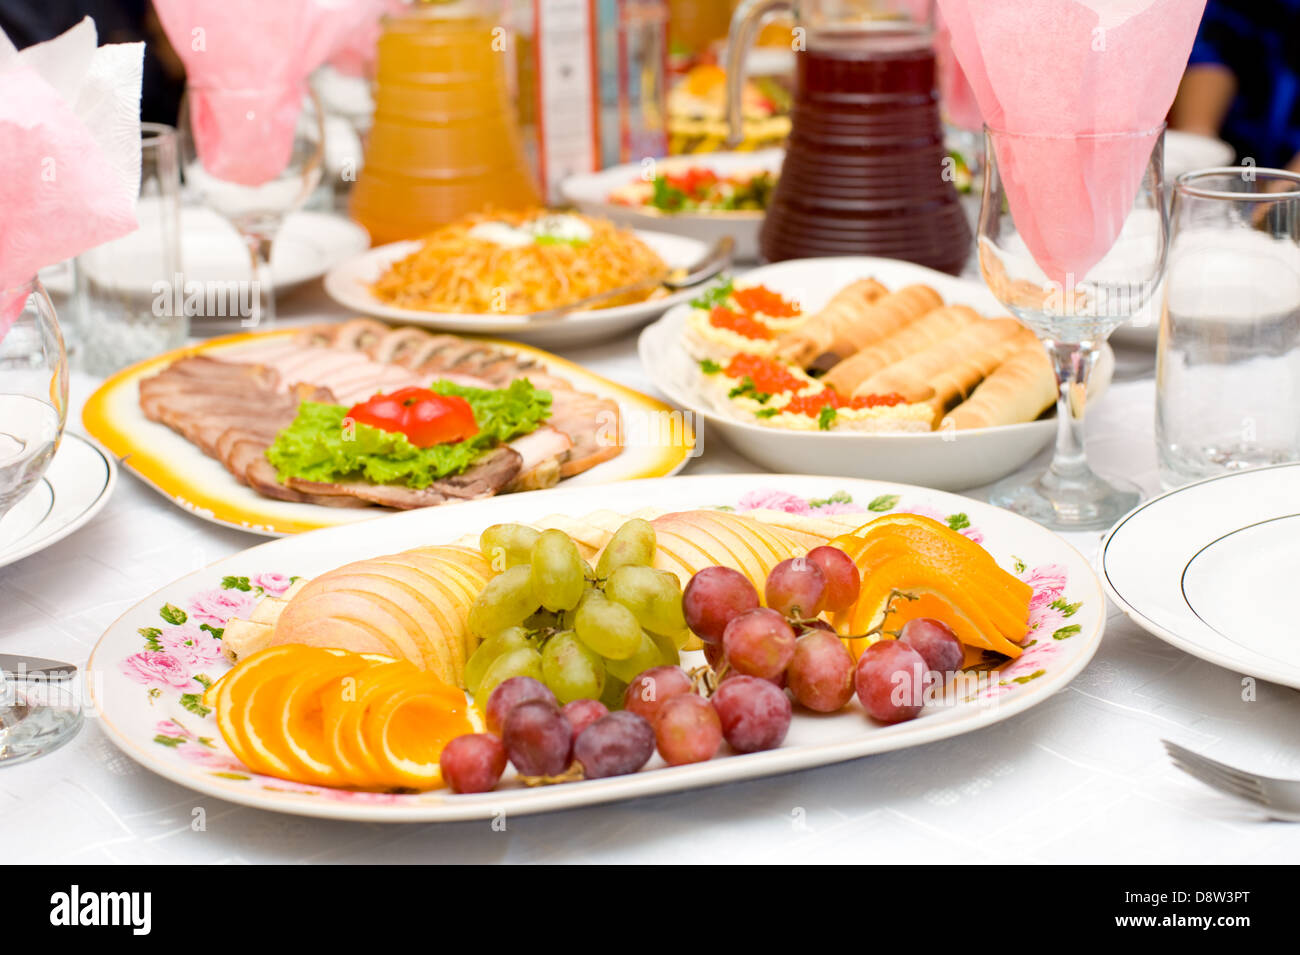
(181, 656)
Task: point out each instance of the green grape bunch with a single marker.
(585, 632)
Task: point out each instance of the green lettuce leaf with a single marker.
(323, 445)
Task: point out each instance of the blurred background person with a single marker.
(1242, 82)
(118, 21)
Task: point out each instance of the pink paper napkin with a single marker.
(248, 61)
(70, 159)
(959, 105)
(1071, 68)
(355, 56)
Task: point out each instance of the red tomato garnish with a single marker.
(425, 417)
(767, 375)
(694, 181)
(761, 299)
(723, 317)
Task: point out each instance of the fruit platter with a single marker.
(568, 647)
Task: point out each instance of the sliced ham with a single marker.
(234, 409)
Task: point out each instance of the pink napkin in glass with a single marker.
(70, 162)
(1071, 68)
(248, 62)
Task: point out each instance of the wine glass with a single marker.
(1072, 239)
(35, 716)
(253, 156)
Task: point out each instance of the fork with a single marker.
(1280, 798)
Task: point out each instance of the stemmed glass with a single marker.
(35, 717)
(253, 156)
(1117, 230)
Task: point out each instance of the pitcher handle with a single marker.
(744, 25)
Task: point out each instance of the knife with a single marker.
(14, 666)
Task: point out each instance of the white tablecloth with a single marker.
(1080, 778)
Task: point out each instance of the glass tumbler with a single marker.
(1228, 359)
(130, 291)
(36, 716)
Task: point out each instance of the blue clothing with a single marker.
(1259, 41)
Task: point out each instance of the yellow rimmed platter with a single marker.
(658, 441)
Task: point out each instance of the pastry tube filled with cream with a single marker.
(913, 376)
(859, 315)
(1018, 390)
(930, 329)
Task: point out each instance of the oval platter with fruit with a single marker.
(547, 651)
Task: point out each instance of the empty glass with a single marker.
(35, 717)
(254, 156)
(1228, 362)
(1072, 255)
(129, 291)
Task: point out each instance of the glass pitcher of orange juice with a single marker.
(445, 140)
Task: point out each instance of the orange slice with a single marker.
(408, 726)
(257, 716)
(947, 576)
(301, 720)
(343, 716)
(235, 687)
(951, 601)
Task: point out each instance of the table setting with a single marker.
(511, 491)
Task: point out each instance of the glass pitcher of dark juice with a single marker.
(865, 171)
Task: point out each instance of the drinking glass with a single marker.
(1116, 230)
(253, 156)
(35, 717)
(1228, 361)
(127, 304)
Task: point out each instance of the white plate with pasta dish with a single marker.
(485, 273)
(861, 367)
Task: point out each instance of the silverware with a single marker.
(1280, 798)
(715, 260)
(14, 666)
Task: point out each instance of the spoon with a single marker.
(714, 261)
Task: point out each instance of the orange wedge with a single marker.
(914, 566)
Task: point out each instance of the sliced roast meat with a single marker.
(234, 409)
(593, 424)
(397, 345)
(364, 492)
(490, 473)
(360, 334)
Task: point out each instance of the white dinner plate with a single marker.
(146, 696)
(946, 460)
(78, 482)
(348, 283)
(307, 245)
(590, 193)
(1211, 567)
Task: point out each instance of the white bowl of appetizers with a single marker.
(945, 458)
